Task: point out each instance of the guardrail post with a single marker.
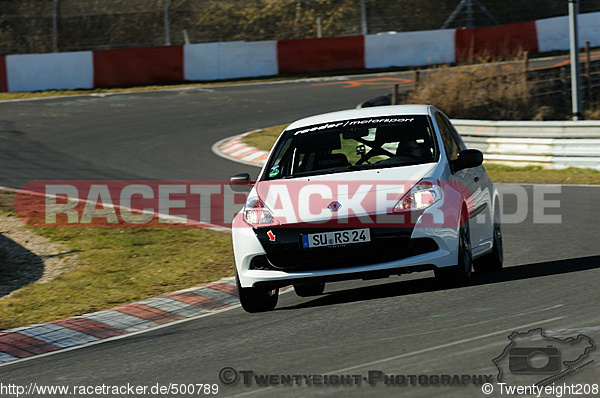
(574, 41)
(167, 27)
(319, 28)
(564, 84)
(416, 79)
(55, 26)
(525, 66)
(363, 18)
(588, 82)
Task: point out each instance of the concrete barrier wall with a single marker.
(138, 66)
(553, 33)
(35, 72)
(227, 60)
(495, 41)
(320, 55)
(549, 144)
(3, 82)
(409, 48)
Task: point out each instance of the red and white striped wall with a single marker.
(229, 60)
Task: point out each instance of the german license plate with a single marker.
(335, 238)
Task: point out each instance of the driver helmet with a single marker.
(408, 148)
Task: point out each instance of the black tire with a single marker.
(255, 299)
(311, 289)
(460, 273)
(493, 260)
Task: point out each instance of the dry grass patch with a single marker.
(264, 138)
(539, 175)
(477, 92)
(114, 267)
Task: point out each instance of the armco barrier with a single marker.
(549, 144)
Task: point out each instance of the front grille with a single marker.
(286, 252)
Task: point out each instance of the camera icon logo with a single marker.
(536, 358)
(533, 360)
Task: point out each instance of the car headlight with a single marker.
(420, 196)
(257, 213)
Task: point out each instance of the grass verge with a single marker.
(539, 175)
(117, 266)
(116, 90)
(265, 139)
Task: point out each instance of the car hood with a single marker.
(355, 193)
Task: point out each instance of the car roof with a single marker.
(376, 111)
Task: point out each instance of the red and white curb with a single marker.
(28, 341)
(38, 339)
(233, 148)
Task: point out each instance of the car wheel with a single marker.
(494, 259)
(311, 289)
(255, 299)
(460, 273)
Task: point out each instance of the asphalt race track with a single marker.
(399, 326)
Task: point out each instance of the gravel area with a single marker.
(26, 257)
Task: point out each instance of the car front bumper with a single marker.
(392, 251)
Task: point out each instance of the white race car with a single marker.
(363, 194)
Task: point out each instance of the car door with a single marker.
(468, 178)
(482, 196)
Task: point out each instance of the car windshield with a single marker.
(350, 145)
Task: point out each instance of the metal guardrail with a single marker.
(549, 144)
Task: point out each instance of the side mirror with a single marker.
(467, 159)
(240, 183)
